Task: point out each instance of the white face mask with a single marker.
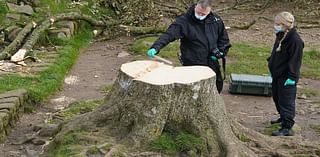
(278, 28)
(199, 17)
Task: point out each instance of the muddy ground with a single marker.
(98, 65)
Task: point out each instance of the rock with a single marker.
(72, 26)
(38, 141)
(25, 139)
(26, 9)
(303, 96)
(31, 153)
(311, 109)
(14, 154)
(123, 54)
(296, 128)
(13, 16)
(61, 35)
(49, 130)
(301, 112)
(60, 32)
(71, 80)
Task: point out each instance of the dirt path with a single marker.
(96, 67)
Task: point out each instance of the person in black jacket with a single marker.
(284, 65)
(203, 38)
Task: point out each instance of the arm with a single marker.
(174, 32)
(223, 40)
(295, 60)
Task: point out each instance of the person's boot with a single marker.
(283, 132)
(275, 121)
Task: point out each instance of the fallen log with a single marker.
(36, 33)
(12, 47)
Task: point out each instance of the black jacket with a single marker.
(287, 62)
(198, 38)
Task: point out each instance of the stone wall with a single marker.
(11, 106)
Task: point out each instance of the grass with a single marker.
(269, 129)
(243, 138)
(172, 144)
(68, 146)
(316, 128)
(242, 57)
(141, 46)
(311, 61)
(310, 92)
(41, 86)
(80, 108)
(3, 11)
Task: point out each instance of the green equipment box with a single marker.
(250, 84)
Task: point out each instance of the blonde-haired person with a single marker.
(284, 65)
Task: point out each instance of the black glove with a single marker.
(216, 54)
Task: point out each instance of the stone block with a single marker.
(4, 117)
(20, 93)
(25, 9)
(13, 112)
(14, 100)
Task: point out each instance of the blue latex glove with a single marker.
(151, 52)
(289, 82)
(214, 58)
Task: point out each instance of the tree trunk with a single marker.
(149, 97)
(14, 45)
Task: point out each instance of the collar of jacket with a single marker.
(209, 19)
(289, 35)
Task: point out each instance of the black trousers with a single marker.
(214, 65)
(284, 98)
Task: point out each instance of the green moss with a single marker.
(69, 146)
(80, 108)
(174, 143)
(243, 138)
(107, 88)
(3, 12)
(269, 129)
(107, 147)
(93, 150)
(316, 128)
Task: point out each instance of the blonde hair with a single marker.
(285, 18)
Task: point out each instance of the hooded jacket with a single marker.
(198, 38)
(286, 62)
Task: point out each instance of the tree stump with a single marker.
(149, 97)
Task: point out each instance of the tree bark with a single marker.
(149, 97)
(35, 35)
(11, 49)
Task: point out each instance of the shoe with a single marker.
(275, 121)
(283, 132)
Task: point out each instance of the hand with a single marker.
(214, 58)
(151, 52)
(289, 82)
(217, 54)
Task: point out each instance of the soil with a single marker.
(98, 65)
